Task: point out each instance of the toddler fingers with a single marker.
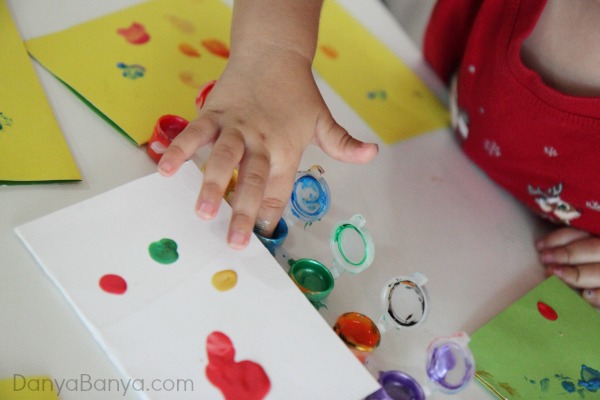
(252, 178)
(592, 296)
(582, 251)
(218, 170)
(585, 276)
(198, 133)
(560, 237)
(337, 143)
(275, 199)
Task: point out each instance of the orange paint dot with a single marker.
(329, 51)
(189, 50)
(216, 47)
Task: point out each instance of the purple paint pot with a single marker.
(450, 368)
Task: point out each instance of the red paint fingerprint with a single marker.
(216, 47)
(237, 380)
(329, 51)
(113, 284)
(547, 312)
(135, 34)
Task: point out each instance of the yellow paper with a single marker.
(32, 148)
(383, 90)
(21, 387)
(143, 62)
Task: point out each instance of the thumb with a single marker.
(337, 143)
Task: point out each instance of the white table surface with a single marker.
(427, 207)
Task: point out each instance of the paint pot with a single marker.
(353, 251)
(352, 246)
(310, 199)
(404, 302)
(165, 130)
(450, 368)
(359, 333)
(274, 243)
(312, 278)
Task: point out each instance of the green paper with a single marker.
(520, 354)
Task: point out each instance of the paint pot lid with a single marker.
(352, 246)
(310, 198)
(404, 302)
(397, 385)
(450, 363)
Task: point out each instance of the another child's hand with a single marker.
(260, 116)
(574, 256)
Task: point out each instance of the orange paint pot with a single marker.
(165, 130)
(359, 333)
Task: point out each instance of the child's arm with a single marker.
(574, 256)
(264, 110)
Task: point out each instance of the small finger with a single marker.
(560, 237)
(337, 143)
(275, 199)
(198, 133)
(585, 276)
(251, 182)
(592, 296)
(583, 251)
(222, 161)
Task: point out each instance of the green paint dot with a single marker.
(164, 251)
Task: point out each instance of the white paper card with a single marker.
(157, 328)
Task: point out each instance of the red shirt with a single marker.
(542, 145)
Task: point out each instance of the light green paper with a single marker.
(20, 387)
(522, 355)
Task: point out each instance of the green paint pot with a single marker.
(313, 278)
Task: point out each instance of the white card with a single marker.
(157, 328)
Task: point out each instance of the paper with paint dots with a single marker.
(544, 346)
(153, 282)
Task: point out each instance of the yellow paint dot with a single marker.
(224, 280)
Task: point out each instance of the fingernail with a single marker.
(165, 166)
(547, 257)
(238, 240)
(557, 271)
(589, 294)
(206, 209)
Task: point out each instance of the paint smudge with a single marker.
(377, 94)
(509, 389)
(590, 378)
(113, 284)
(216, 47)
(224, 280)
(329, 51)
(189, 50)
(547, 311)
(5, 121)
(545, 384)
(190, 79)
(135, 34)
(236, 380)
(133, 71)
(164, 251)
(181, 24)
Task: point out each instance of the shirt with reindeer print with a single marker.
(540, 144)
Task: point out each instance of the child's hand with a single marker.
(574, 256)
(261, 115)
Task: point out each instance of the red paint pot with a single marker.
(166, 129)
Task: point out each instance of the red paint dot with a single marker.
(113, 284)
(547, 312)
